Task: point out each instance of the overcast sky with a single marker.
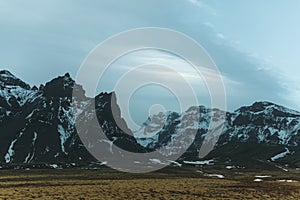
(254, 43)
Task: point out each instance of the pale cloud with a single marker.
(220, 35)
(200, 4)
(193, 73)
(196, 3)
(209, 24)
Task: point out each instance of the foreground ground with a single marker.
(190, 183)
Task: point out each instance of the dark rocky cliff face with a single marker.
(38, 125)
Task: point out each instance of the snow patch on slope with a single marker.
(30, 156)
(10, 152)
(64, 135)
(220, 176)
(281, 155)
(205, 162)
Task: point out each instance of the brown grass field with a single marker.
(167, 184)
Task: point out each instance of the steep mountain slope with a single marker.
(268, 125)
(37, 125)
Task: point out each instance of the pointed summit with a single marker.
(60, 87)
(6, 73)
(8, 79)
(67, 75)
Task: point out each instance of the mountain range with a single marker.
(37, 127)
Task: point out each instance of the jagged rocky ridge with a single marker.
(263, 132)
(37, 126)
(262, 122)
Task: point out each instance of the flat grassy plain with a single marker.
(170, 183)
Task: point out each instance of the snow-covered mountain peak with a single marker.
(267, 109)
(67, 80)
(7, 79)
(6, 73)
